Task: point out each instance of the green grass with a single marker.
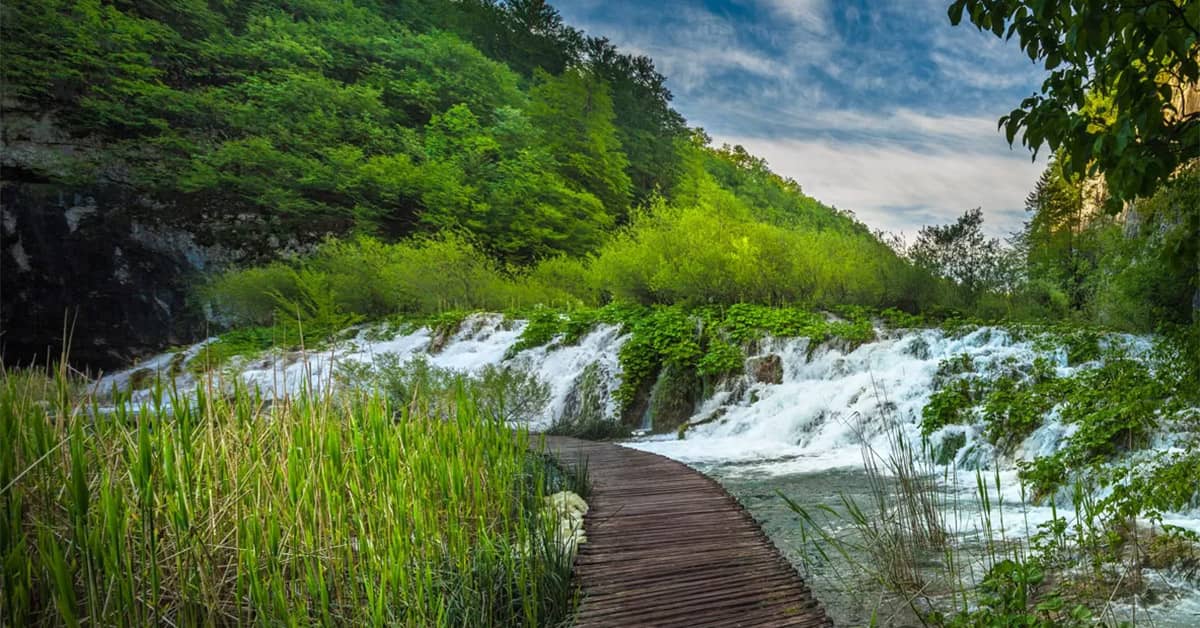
(321, 509)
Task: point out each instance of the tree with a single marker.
(961, 253)
(646, 124)
(1060, 249)
(575, 114)
(1118, 74)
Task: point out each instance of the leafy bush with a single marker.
(348, 280)
(248, 341)
(1013, 593)
(715, 252)
(1013, 409)
(721, 358)
(950, 405)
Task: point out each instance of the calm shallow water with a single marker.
(853, 601)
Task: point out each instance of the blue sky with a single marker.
(880, 107)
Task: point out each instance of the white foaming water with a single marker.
(831, 402)
(482, 340)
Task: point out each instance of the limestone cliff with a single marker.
(99, 255)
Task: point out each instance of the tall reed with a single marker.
(225, 509)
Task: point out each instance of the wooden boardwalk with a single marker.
(668, 546)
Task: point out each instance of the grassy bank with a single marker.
(325, 508)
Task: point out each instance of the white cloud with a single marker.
(811, 15)
(899, 189)
(692, 45)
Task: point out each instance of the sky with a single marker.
(880, 107)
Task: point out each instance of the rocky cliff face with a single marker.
(108, 264)
(72, 259)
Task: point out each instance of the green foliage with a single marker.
(331, 118)
(244, 342)
(575, 114)
(547, 324)
(771, 198)
(898, 319)
(710, 249)
(1013, 409)
(1012, 593)
(1060, 253)
(1044, 475)
(1138, 275)
(1150, 279)
(961, 253)
(710, 341)
(662, 335)
(365, 278)
(1112, 101)
(746, 322)
(1117, 407)
(949, 367)
(950, 405)
(1114, 402)
(1167, 483)
(721, 358)
(418, 388)
(543, 325)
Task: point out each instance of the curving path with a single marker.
(668, 546)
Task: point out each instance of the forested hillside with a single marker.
(174, 168)
(162, 141)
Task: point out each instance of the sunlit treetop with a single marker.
(1113, 101)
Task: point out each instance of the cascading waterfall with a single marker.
(828, 402)
(832, 401)
(481, 340)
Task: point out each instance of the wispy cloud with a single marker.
(812, 15)
(881, 108)
(899, 189)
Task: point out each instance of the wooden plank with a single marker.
(668, 546)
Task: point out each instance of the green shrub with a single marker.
(250, 296)
(543, 325)
(502, 393)
(713, 251)
(950, 405)
(1013, 593)
(721, 358)
(1117, 407)
(347, 280)
(1013, 409)
(1044, 475)
(247, 342)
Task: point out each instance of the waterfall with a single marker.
(832, 400)
(815, 411)
(798, 409)
(481, 340)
